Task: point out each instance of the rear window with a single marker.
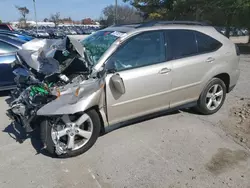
(181, 43)
(206, 43)
(6, 48)
(4, 27)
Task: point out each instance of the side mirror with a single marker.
(118, 83)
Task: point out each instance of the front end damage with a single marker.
(61, 82)
(61, 87)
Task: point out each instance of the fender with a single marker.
(90, 95)
(216, 70)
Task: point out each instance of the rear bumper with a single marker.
(231, 88)
(234, 77)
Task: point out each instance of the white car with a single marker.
(42, 34)
(73, 32)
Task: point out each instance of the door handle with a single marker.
(210, 60)
(164, 71)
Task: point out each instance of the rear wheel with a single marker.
(212, 97)
(71, 135)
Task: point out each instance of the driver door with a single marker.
(141, 63)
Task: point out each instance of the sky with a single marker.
(76, 9)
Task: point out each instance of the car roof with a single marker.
(5, 26)
(13, 33)
(12, 40)
(153, 25)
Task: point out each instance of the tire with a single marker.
(46, 137)
(203, 102)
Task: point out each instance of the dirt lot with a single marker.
(238, 123)
(236, 116)
(177, 150)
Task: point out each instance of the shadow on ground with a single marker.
(147, 118)
(17, 132)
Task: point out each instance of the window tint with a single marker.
(6, 48)
(206, 43)
(4, 27)
(181, 43)
(142, 50)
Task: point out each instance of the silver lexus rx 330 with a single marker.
(137, 70)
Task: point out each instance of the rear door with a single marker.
(7, 56)
(193, 54)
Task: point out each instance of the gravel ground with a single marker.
(178, 150)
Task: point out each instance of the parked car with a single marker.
(51, 32)
(72, 32)
(16, 34)
(8, 47)
(59, 33)
(24, 32)
(245, 31)
(6, 27)
(41, 34)
(135, 70)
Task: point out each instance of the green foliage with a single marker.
(0, 21)
(217, 12)
(125, 14)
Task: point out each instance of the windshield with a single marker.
(98, 43)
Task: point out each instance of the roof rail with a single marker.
(154, 23)
(126, 25)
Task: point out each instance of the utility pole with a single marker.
(34, 2)
(115, 18)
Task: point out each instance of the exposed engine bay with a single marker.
(53, 61)
(44, 69)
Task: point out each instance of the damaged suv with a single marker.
(134, 70)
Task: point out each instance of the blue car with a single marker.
(8, 47)
(16, 34)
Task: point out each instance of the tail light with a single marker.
(237, 50)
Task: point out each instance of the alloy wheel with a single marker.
(73, 135)
(214, 97)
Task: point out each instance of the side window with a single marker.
(4, 27)
(141, 50)
(6, 48)
(206, 43)
(182, 43)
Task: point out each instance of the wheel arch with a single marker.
(225, 78)
(102, 116)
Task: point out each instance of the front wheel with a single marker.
(70, 135)
(212, 97)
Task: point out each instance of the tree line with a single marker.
(224, 13)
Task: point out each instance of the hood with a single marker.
(42, 54)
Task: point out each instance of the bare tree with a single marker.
(55, 18)
(125, 15)
(24, 11)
